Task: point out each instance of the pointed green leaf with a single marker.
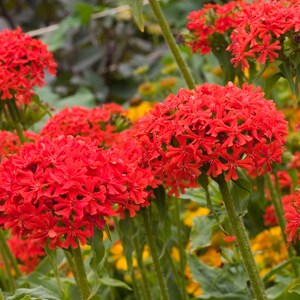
(269, 84)
(137, 11)
(115, 283)
(241, 192)
(201, 233)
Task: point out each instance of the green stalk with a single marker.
(80, 271)
(242, 240)
(6, 250)
(182, 256)
(276, 201)
(136, 289)
(172, 44)
(71, 265)
(145, 285)
(157, 266)
(15, 117)
(11, 283)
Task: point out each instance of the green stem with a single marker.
(145, 285)
(242, 240)
(81, 274)
(9, 255)
(136, 289)
(279, 267)
(71, 265)
(172, 44)
(277, 203)
(156, 262)
(11, 283)
(182, 256)
(15, 117)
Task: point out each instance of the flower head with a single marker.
(292, 216)
(211, 129)
(22, 64)
(101, 124)
(10, 143)
(57, 190)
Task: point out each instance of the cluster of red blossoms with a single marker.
(10, 143)
(258, 30)
(211, 129)
(292, 216)
(101, 124)
(22, 64)
(28, 253)
(57, 190)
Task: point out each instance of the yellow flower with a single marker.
(168, 82)
(141, 70)
(135, 112)
(200, 211)
(169, 68)
(269, 249)
(118, 257)
(147, 88)
(193, 288)
(212, 257)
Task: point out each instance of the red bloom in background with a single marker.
(10, 143)
(256, 31)
(292, 216)
(58, 189)
(22, 64)
(212, 20)
(27, 252)
(211, 129)
(100, 123)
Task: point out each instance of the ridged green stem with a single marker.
(242, 240)
(157, 266)
(276, 201)
(81, 274)
(145, 285)
(11, 283)
(182, 256)
(9, 255)
(14, 114)
(172, 44)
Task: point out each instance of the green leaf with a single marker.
(219, 282)
(201, 233)
(126, 232)
(287, 73)
(137, 11)
(38, 293)
(269, 84)
(115, 283)
(85, 12)
(98, 258)
(241, 192)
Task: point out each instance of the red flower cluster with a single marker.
(101, 124)
(211, 129)
(58, 189)
(258, 29)
(28, 253)
(10, 143)
(263, 27)
(292, 216)
(270, 218)
(212, 20)
(22, 63)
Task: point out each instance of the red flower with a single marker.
(99, 124)
(292, 216)
(28, 252)
(58, 189)
(211, 129)
(10, 143)
(257, 30)
(23, 60)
